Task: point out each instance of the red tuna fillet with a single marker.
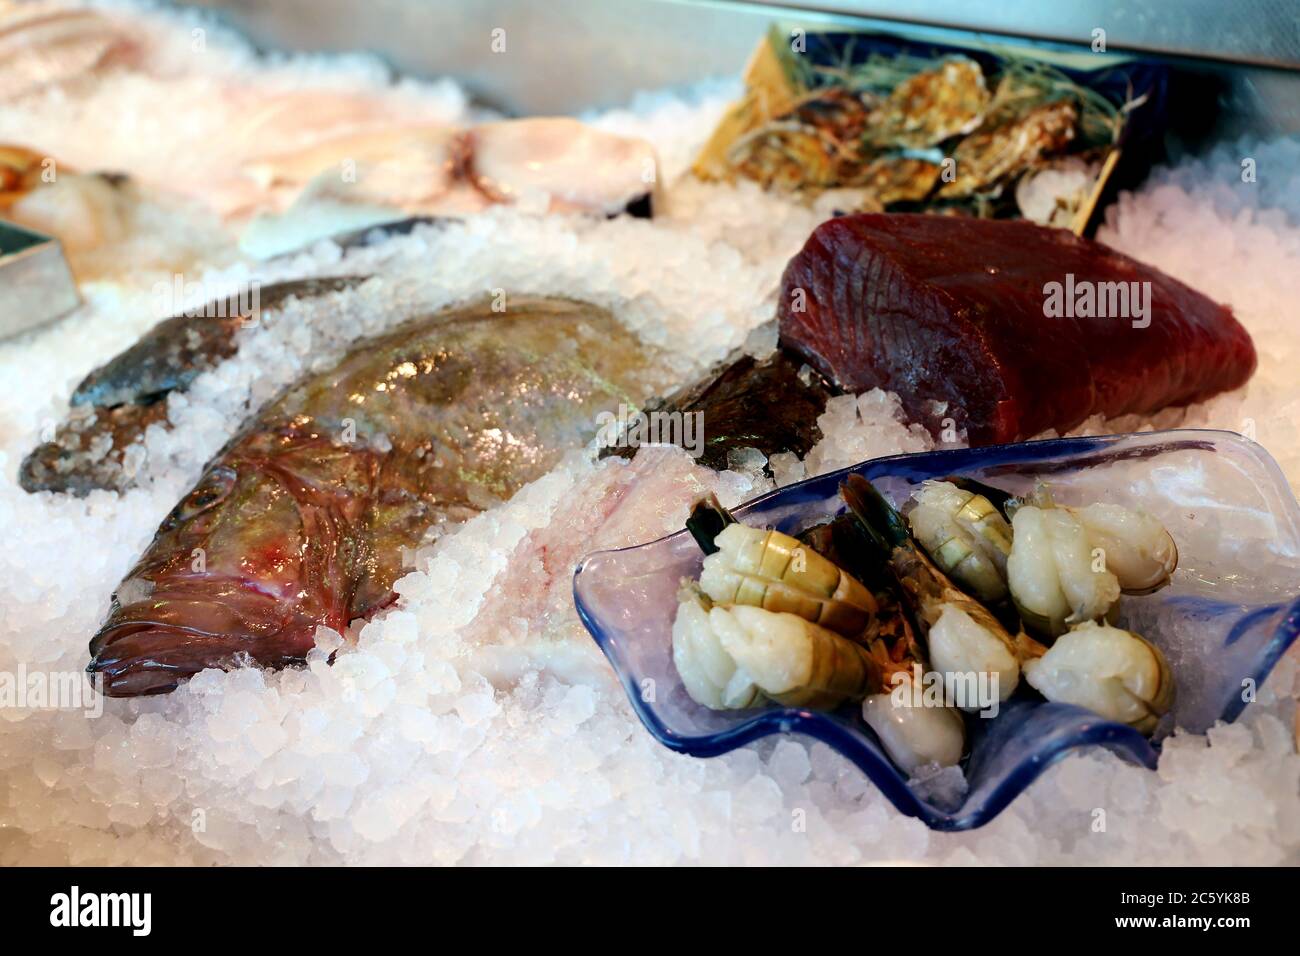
(942, 309)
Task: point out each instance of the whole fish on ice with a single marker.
(302, 519)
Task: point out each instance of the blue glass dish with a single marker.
(1231, 611)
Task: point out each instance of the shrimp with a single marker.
(966, 536)
(963, 638)
(776, 572)
(708, 672)
(726, 655)
(914, 731)
(1054, 576)
(1060, 565)
(1116, 673)
(1112, 672)
(774, 618)
(1137, 548)
(915, 736)
(1070, 564)
(793, 661)
(962, 646)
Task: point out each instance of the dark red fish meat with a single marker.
(953, 315)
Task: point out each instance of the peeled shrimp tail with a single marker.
(771, 570)
(1053, 572)
(955, 552)
(708, 672)
(1138, 549)
(965, 534)
(793, 661)
(1110, 671)
(997, 497)
(729, 587)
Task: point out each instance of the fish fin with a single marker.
(169, 356)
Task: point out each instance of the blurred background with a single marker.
(566, 56)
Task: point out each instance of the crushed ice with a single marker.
(475, 721)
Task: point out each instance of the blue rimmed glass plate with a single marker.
(1232, 610)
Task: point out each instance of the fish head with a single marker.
(245, 567)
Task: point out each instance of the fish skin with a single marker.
(122, 398)
(750, 402)
(297, 527)
(947, 309)
(174, 352)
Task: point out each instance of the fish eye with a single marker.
(213, 489)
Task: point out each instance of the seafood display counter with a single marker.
(607, 431)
